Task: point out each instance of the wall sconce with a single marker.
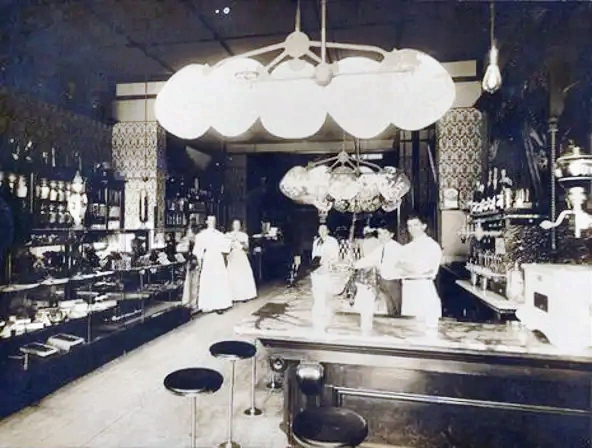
(143, 203)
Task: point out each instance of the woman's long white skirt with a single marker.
(240, 275)
(190, 288)
(214, 285)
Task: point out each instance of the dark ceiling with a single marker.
(100, 42)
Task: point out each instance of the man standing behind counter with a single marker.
(325, 249)
(419, 264)
(386, 259)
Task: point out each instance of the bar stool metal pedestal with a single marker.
(191, 383)
(253, 410)
(232, 351)
(329, 427)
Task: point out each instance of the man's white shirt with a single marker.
(422, 257)
(385, 258)
(327, 250)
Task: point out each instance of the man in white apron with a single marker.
(420, 263)
(325, 253)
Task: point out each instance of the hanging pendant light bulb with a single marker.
(492, 80)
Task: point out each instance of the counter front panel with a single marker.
(480, 385)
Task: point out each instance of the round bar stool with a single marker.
(329, 427)
(232, 351)
(190, 383)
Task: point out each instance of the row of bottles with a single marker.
(499, 194)
(184, 201)
(54, 216)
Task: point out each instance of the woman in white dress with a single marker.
(191, 285)
(214, 285)
(240, 273)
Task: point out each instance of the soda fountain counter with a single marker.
(472, 384)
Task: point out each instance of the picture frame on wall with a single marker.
(449, 199)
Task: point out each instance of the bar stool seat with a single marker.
(233, 350)
(329, 427)
(193, 381)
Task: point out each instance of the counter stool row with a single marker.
(326, 427)
(196, 381)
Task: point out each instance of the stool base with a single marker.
(253, 412)
(229, 445)
(274, 386)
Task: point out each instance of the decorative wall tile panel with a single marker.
(139, 155)
(461, 137)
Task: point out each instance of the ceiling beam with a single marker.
(192, 9)
(130, 42)
(310, 147)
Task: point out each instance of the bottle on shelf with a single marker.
(486, 191)
(506, 190)
(494, 191)
(473, 203)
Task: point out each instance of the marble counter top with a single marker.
(287, 317)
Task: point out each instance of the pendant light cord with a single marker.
(323, 30)
(297, 24)
(492, 22)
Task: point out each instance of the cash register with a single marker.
(558, 303)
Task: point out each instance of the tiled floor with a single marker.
(124, 403)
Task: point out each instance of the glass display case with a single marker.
(108, 293)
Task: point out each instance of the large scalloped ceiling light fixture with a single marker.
(294, 93)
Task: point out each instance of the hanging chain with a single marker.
(492, 22)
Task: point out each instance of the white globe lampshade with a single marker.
(290, 102)
(183, 106)
(355, 98)
(323, 205)
(343, 185)
(391, 206)
(419, 87)
(368, 188)
(235, 110)
(294, 182)
(393, 184)
(319, 179)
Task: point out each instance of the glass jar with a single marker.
(44, 190)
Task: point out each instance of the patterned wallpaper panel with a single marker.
(462, 137)
(139, 155)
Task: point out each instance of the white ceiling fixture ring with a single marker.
(293, 94)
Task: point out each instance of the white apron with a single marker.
(421, 300)
(240, 273)
(419, 296)
(214, 285)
